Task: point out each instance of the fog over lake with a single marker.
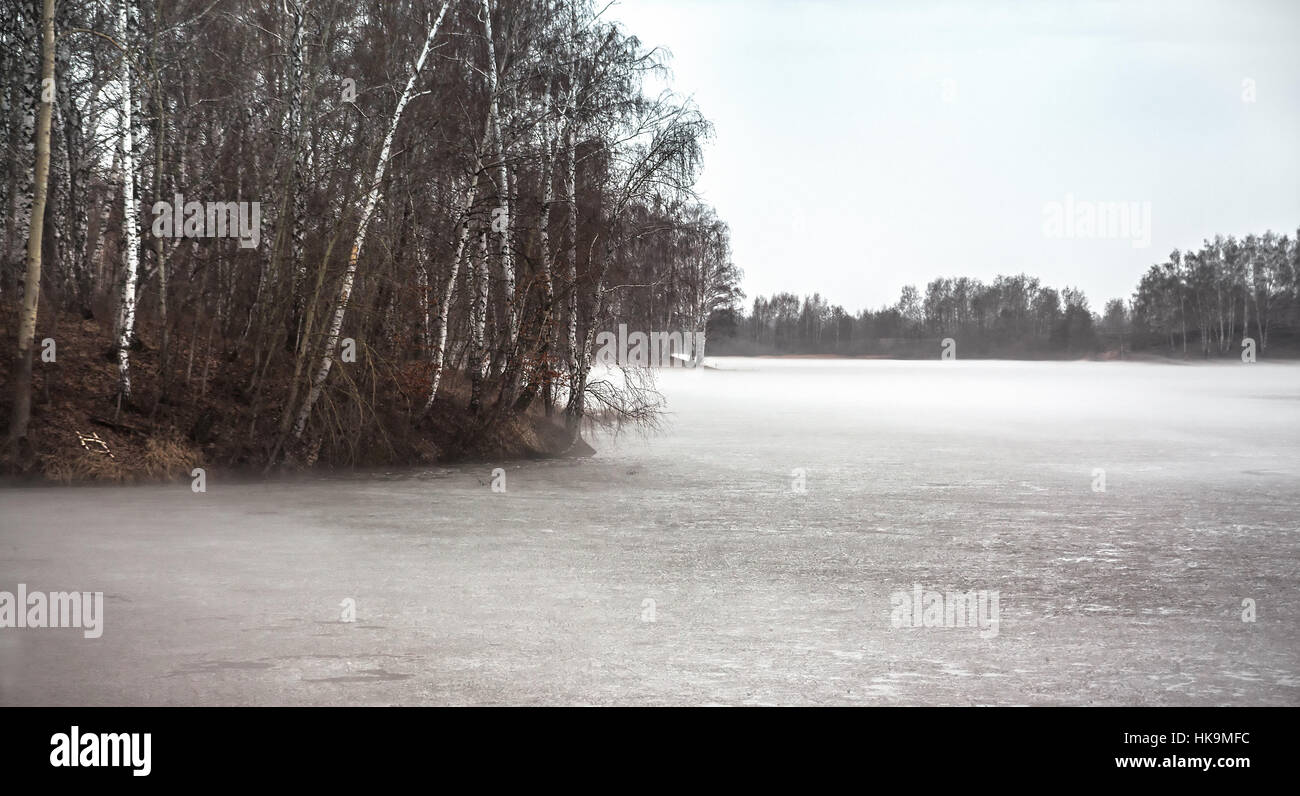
(750, 553)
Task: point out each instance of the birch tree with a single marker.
(478, 348)
(501, 218)
(32, 284)
(368, 210)
(26, 89)
(130, 212)
(438, 351)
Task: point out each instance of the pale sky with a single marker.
(845, 164)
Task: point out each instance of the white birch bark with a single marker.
(22, 384)
(368, 211)
(8, 50)
(439, 342)
(27, 94)
(130, 218)
(571, 196)
(548, 197)
(297, 172)
(571, 255)
(502, 223)
(422, 296)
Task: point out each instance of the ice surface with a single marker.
(954, 475)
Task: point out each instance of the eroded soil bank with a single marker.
(207, 416)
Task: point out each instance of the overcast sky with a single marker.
(862, 146)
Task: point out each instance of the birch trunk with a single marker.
(439, 342)
(130, 219)
(32, 287)
(571, 255)
(478, 356)
(159, 248)
(548, 196)
(27, 94)
(422, 337)
(8, 50)
(298, 183)
(540, 376)
(1248, 284)
(1261, 312)
(501, 225)
(549, 142)
(368, 211)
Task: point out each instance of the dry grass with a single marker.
(163, 458)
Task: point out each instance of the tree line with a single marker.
(1201, 303)
(444, 189)
(1207, 301)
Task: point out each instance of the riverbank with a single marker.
(205, 416)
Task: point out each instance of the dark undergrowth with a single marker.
(205, 415)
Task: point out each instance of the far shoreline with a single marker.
(1143, 357)
(165, 453)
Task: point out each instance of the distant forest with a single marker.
(1196, 304)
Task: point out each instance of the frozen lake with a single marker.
(764, 533)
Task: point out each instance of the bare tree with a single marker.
(367, 212)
